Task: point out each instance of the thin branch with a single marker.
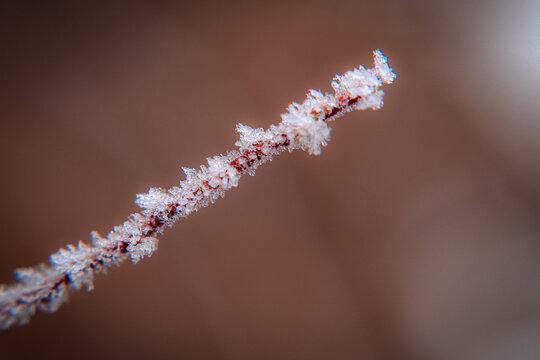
(304, 126)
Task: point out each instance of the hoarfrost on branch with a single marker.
(303, 126)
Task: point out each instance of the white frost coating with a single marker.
(304, 126)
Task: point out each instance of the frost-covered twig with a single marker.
(304, 126)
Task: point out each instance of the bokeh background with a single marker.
(415, 235)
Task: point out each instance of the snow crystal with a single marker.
(383, 69)
(143, 248)
(74, 262)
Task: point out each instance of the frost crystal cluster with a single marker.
(303, 126)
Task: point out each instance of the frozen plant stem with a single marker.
(304, 126)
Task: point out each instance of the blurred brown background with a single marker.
(415, 235)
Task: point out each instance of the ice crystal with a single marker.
(303, 126)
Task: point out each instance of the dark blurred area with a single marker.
(415, 235)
